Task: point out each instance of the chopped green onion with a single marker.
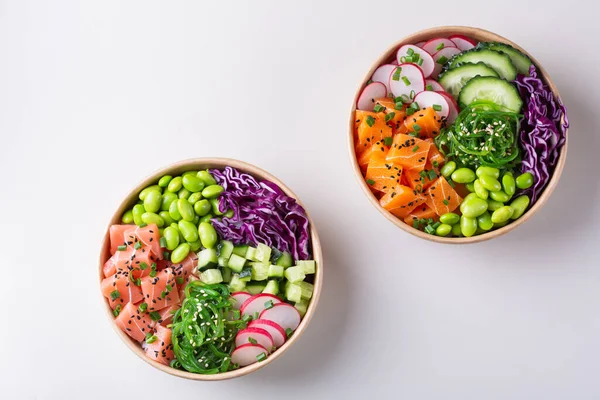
(429, 229)
(163, 242)
(437, 107)
(416, 224)
(388, 141)
(451, 183)
(410, 51)
(252, 340)
(435, 226)
(137, 245)
(378, 108)
(429, 87)
(261, 357)
(155, 316)
(406, 81)
(370, 121)
(236, 314)
(143, 225)
(389, 116)
(115, 294)
(143, 266)
(143, 307)
(288, 332)
(410, 111)
(153, 266)
(268, 304)
(122, 248)
(370, 182)
(422, 174)
(256, 315)
(446, 202)
(420, 62)
(163, 294)
(415, 106)
(414, 150)
(117, 310)
(413, 134)
(416, 127)
(138, 282)
(412, 94)
(179, 280)
(247, 318)
(442, 60)
(166, 255)
(432, 175)
(150, 338)
(435, 163)
(408, 59)
(440, 46)
(153, 273)
(169, 288)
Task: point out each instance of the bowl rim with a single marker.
(481, 35)
(177, 168)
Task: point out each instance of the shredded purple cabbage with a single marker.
(542, 131)
(262, 213)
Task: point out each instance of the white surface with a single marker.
(96, 94)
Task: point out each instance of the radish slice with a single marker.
(429, 99)
(276, 331)
(382, 75)
(366, 100)
(394, 62)
(241, 297)
(434, 85)
(463, 42)
(283, 314)
(410, 79)
(261, 336)
(453, 106)
(435, 45)
(420, 44)
(246, 354)
(440, 59)
(427, 64)
(257, 302)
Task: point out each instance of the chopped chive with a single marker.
(137, 245)
(397, 99)
(416, 127)
(437, 107)
(252, 340)
(420, 62)
(155, 316)
(410, 51)
(442, 60)
(143, 225)
(179, 280)
(143, 266)
(143, 307)
(268, 304)
(138, 282)
(378, 108)
(422, 174)
(399, 106)
(415, 106)
(150, 338)
(414, 150)
(122, 248)
(163, 294)
(429, 87)
(408, 59)
(451, 183)
(169, 288)
(153, 273)
(416, 224)
(256, 315)
(406, 81)
(410, 111)
(440, 46)
(288, 332)
(153, 266)
(166, 255)
(412, 94)
(261, 357)
(403, 59)
(370, 121)
(236, 314)
(432, 175)
(247, 318)
(389, 116)
(445, 202)
(370, 182)
(388, 141)
(413, 134)
(117, 310)
(429, 229)
(435, 226)
(115, 294)
(163, 242)
(435, 163)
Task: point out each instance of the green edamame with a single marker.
(499, 196)
(149, 189)
(196, 220)
(490, 183)
(188, 230)
(164, 181)
(473, 207)
(228, 213)
(195, 246)
(185, 209)
(493, 205)
(470, 196)
(463, 175)
(501, 224)
(194, 198)
(166, 217)
(206, 218)
(207, 178)
(519, 205)
(180, 253)
(502, 214)
(153, 218)
(215, 207)
(448, 169)
(508, 184)
(192, 183)
(450, 218)
(183, 193)
(127, 217)
(443, 230)
(175, 226)
(189, 173)
(489, 171)
(167, 199)
(482, 192)
(171, 236)
(208, 235)
(525, 181)
(470, 187)
(175, 185)
(202, 207)
(153, 201)
(456, 231)
(137, 212)
(212, 191)
(468, 226)
(174, 211)
(484, 221)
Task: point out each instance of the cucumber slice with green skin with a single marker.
(491, 90)
(454, 79)
(499, 61)
(519, 60)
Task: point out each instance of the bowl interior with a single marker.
(197, 164)
(389, 55)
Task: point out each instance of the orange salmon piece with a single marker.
(401, 200)
(367, 134)
(408, 151)
(427, 120)
(119, 289)
(423, 211)
(382, 175)
(161, 349)
(442, 197)
(134, 323)
(117, 234)
(160, 291)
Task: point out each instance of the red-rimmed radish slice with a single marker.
(434, 100)
(241, 297)
(256, 303)
(247, 354)
(434, 85)
(410, 78)
(394, 62)
(366, 100)
(426, 65)
(283, 314)
(420, 44)
(440, 59)
(382, 75)
(259, 335)
(463, 42)
(452, 104)
(276, 331)
(434, 45)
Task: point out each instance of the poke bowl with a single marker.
(457, 135)
(210, 269)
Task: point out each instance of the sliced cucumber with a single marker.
(255, 287)
(211, 276)
(207, 258)
(492, 90)
(272, 288)
(236, 263)
(236, 284)
(500, 62)
(285, 260)
(519, 60)
(453, 80)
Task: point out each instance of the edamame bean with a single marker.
(508, 184)
(171, 236)
(484, 221)
(490, 183)
(229, 213)
(470, 187)
(153, 201)
(189, 173)
(153, 218)
(127, 217)
(463, 175)
(202, 207)
(185, 209)
(470, 196)
(450, 218)
(502, 214)
(489, 171)
(176, 227)
(183, 193)
(196, 220)
(149, 189)
(468, 226)
(174, 211)
(180, 253)
(501, 224)
(206, 218)
(525, 181)
(208, 235)
(189, 231)
(443, 230)
(215, 207)
(164, 181)
(167, 217)
(192, 183)
(519, 205)
(195, 197)
(175, 185)
(212, 191)
(456, 230)
(195, 246)
(500, 196)
(167, 199)
(448, 169)
(493, 205)
(481, 192)
(206, 177)
(137, 212)
(473, 207)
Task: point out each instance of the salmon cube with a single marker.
(441, 197)
(119, 289)
(383, 175)
(116, 234)
(401, 200)
(134, 323)
(409, 151)
(161, 348)
(160, 291)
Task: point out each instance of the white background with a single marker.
(94, 95)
